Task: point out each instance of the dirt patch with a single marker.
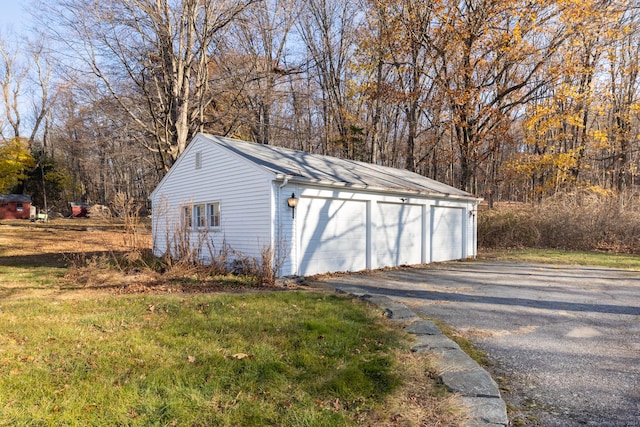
(473, 333)
(59, 241)
(150, 282)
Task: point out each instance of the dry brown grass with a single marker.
(586, 220)
(82, 250)
(115, 256)
(419, 403)
(58, 241)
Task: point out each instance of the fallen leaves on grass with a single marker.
(241, 356)
(418, 403)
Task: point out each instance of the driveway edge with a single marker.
(459, 373)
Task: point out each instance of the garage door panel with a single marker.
(446, 234)
(332, 235)
(398, 234)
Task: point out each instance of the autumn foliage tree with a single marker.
(15, 162)
(583, 122)
(508, 100)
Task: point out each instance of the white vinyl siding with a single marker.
(472, 244)
(239, 186)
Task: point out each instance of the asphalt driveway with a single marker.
(566, 338)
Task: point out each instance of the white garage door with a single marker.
(398, 234)
(446, 233)
(333, 235)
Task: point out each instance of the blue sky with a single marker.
(13, 14)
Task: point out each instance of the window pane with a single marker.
(186, 216)
(213, 212)
(199, 215)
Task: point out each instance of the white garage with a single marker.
(400, 233)
(317, 213)
(328, 227)
(447, 240)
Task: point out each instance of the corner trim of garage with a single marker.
(459, 373)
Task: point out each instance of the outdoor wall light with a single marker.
(292, 202)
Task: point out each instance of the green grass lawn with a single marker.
(561, 257)
(85, 341)
(280, 358)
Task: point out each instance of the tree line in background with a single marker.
(508, 100)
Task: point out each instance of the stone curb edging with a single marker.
(459, 373)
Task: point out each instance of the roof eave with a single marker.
(399, 191)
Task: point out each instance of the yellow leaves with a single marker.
(564, 161)
(539, 120)
(574, 120)
(240, 356)
(15, 160)
(527, 164)
(517, 35)
(600, 139)
(596, 189)
(552, 170)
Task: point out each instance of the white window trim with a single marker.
(199, 215)
(190, 218)
(208, 217)
(186, 216)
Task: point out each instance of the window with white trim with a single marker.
(202, 215)
(213, 214)
(187, 218)
(199, 219)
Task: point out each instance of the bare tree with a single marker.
(151, 56)
(623, 90)
(13, 74)
(29, 88)
(252, 68)
(328, 29)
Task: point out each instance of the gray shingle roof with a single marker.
(314, 168)
(15, 198)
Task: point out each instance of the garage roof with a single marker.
(15, 198)
(299, 166)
